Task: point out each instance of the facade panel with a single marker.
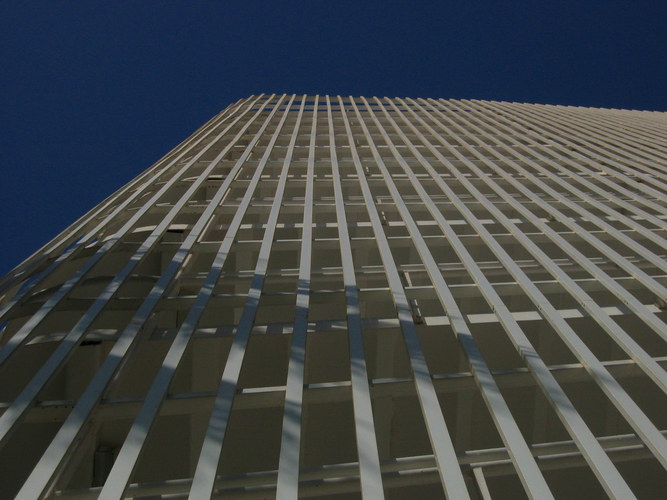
(316, 296)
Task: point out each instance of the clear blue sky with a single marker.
(94, 92)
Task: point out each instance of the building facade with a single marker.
(317, 296)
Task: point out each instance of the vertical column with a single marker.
(290, 446)
(369, 462)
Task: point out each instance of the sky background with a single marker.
(93, 93)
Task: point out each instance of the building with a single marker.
(348, 297)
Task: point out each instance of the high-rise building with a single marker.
(339, 298)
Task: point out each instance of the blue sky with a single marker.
(93, 93)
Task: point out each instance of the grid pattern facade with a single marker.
(317, 296)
